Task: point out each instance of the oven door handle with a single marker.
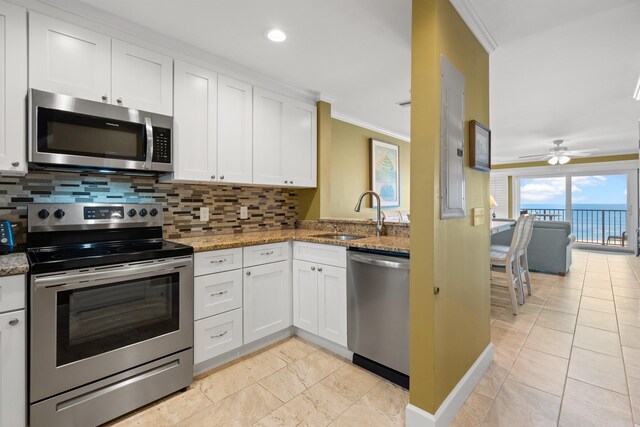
(85, 280)
(149, 127)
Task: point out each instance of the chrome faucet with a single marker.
(379, 217)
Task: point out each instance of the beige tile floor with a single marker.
(572, 355)
(293, 383)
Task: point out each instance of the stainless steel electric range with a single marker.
(111, 312)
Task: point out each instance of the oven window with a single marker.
(95, 320)
(62, 132)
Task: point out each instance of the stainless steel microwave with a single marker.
(68, 132)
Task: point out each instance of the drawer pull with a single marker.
(219, 335)
(266, 253)
(313, 269)
(215, 294)
(219, 261)
(14, 322)
(319, 268)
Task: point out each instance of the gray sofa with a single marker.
(550, 247)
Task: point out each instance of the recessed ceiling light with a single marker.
(276, 35)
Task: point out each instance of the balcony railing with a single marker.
(596, 226)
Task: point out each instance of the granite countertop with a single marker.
(12, 264)
(227, 241)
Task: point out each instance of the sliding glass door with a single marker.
(601, 207)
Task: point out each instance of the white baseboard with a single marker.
(329, 345)
(417, 417)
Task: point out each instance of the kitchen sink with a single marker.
(340, 236)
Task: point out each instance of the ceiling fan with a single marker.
(559, 155)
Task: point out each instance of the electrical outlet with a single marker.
(244, 212)
(204, 214)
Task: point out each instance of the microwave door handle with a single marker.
(149, 126)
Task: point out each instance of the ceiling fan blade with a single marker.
(588, 151)
(576, 155)
(533, 156)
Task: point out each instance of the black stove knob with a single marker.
(43, 214)
(59, 214)
(143, 212)
(132, 212)
(153, 212)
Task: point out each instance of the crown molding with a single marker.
(470, 17)
(354, 121)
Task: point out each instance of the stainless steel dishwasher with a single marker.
(378, 312)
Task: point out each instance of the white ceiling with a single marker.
(354, 53)
(563, 69)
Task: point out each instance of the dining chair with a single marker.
(523, 262)
(507, 257)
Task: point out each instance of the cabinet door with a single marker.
(194, 123)
(268, 137)
(332, 304)
(267, 300)
(305, 296)
(141, 78)
(13, 88)
(300, 148)
(13, 406)
(67, 59)
(235, 131)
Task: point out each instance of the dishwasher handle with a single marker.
(404, 265)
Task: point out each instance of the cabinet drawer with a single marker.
(217, 261)
(217, 335)
(263, 254)
(322, 254)
(12, 291)
(217, 293)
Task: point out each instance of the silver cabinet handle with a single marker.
(119, 100)
(248, 273)
(218, 261)
(213, 177)
(286, 182)
(15, 164)
(319, 268)
(14, 322)
(219, 335)
(221, 176)
(215, 294)
(105, 98)
(290, 182)
(266, 253)
(313, 269)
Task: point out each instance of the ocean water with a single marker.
(592, 223)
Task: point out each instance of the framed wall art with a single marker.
(385, 173)
(480, 150)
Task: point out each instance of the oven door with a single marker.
(92, 323)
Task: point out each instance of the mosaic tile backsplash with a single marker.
(269, 208)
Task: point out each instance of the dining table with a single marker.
(499, 226)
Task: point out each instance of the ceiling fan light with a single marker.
(563, 160)
(553, 161)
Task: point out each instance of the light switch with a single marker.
(204, 214)
(478, 216)
(244, 212)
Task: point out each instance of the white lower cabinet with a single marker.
(217, 335)
(320, 299)
(267, 300)
(13, 405)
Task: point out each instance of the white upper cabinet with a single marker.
(13, 88)
(268, 137)
(235, 132)
(284, 141)
(69, 60)
(141, 78)
(194, 123)
(300, 147)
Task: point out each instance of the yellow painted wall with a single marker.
(350, 168)
(448, 331)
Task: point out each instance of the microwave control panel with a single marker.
(161, 145)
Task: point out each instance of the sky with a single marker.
(597, 189)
